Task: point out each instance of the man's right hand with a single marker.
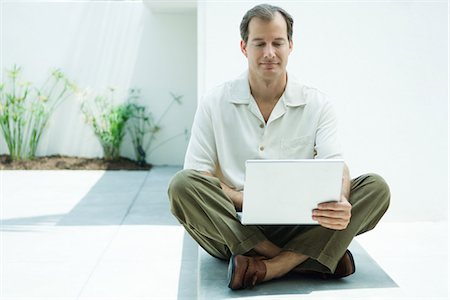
(236, 196)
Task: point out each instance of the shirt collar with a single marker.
(240, 91)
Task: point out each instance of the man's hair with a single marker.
(265, 12)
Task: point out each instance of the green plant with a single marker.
(108, 122)
(25, 110)
(143, 128)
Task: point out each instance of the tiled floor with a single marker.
(110, 235)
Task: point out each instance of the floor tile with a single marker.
(150, 278)
(44, 279)
(56, 243)
(131, 243)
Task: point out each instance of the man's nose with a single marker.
(269, 51)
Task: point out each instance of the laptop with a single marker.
(286, 191)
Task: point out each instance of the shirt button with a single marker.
(261, 125)
(261, 148)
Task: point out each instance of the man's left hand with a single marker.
(333, 215)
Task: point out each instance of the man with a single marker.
(267, 114)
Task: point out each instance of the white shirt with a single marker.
(229, 128)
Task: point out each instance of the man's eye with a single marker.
(259, 45)
(277, 44)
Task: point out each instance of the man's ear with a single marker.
(244, 48)
(291, 46)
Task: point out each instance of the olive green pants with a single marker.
(209, 216)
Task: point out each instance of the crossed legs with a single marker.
(209, 216)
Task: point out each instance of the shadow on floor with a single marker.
(133, 198)
(213, 279)
(31, 224)
(117, 198)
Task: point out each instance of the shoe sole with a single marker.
(230, 274)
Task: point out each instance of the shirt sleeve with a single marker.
(201, 154)
(327, 144)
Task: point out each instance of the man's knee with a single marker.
(179, 187)
(180, 182)
(380, 188)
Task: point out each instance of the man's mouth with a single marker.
(269, 64)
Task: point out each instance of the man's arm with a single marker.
(346, 183)
(336, 215)
(235, 196)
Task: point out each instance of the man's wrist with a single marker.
(238, 201)
(235, 196)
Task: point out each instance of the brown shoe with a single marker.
(344, 268)
(245, 271)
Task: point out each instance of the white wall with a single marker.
(385, 66)
(103, 44)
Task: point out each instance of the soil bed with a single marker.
(59, 162)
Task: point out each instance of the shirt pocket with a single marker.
(297, 148)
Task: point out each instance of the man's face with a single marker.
(268, 47)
